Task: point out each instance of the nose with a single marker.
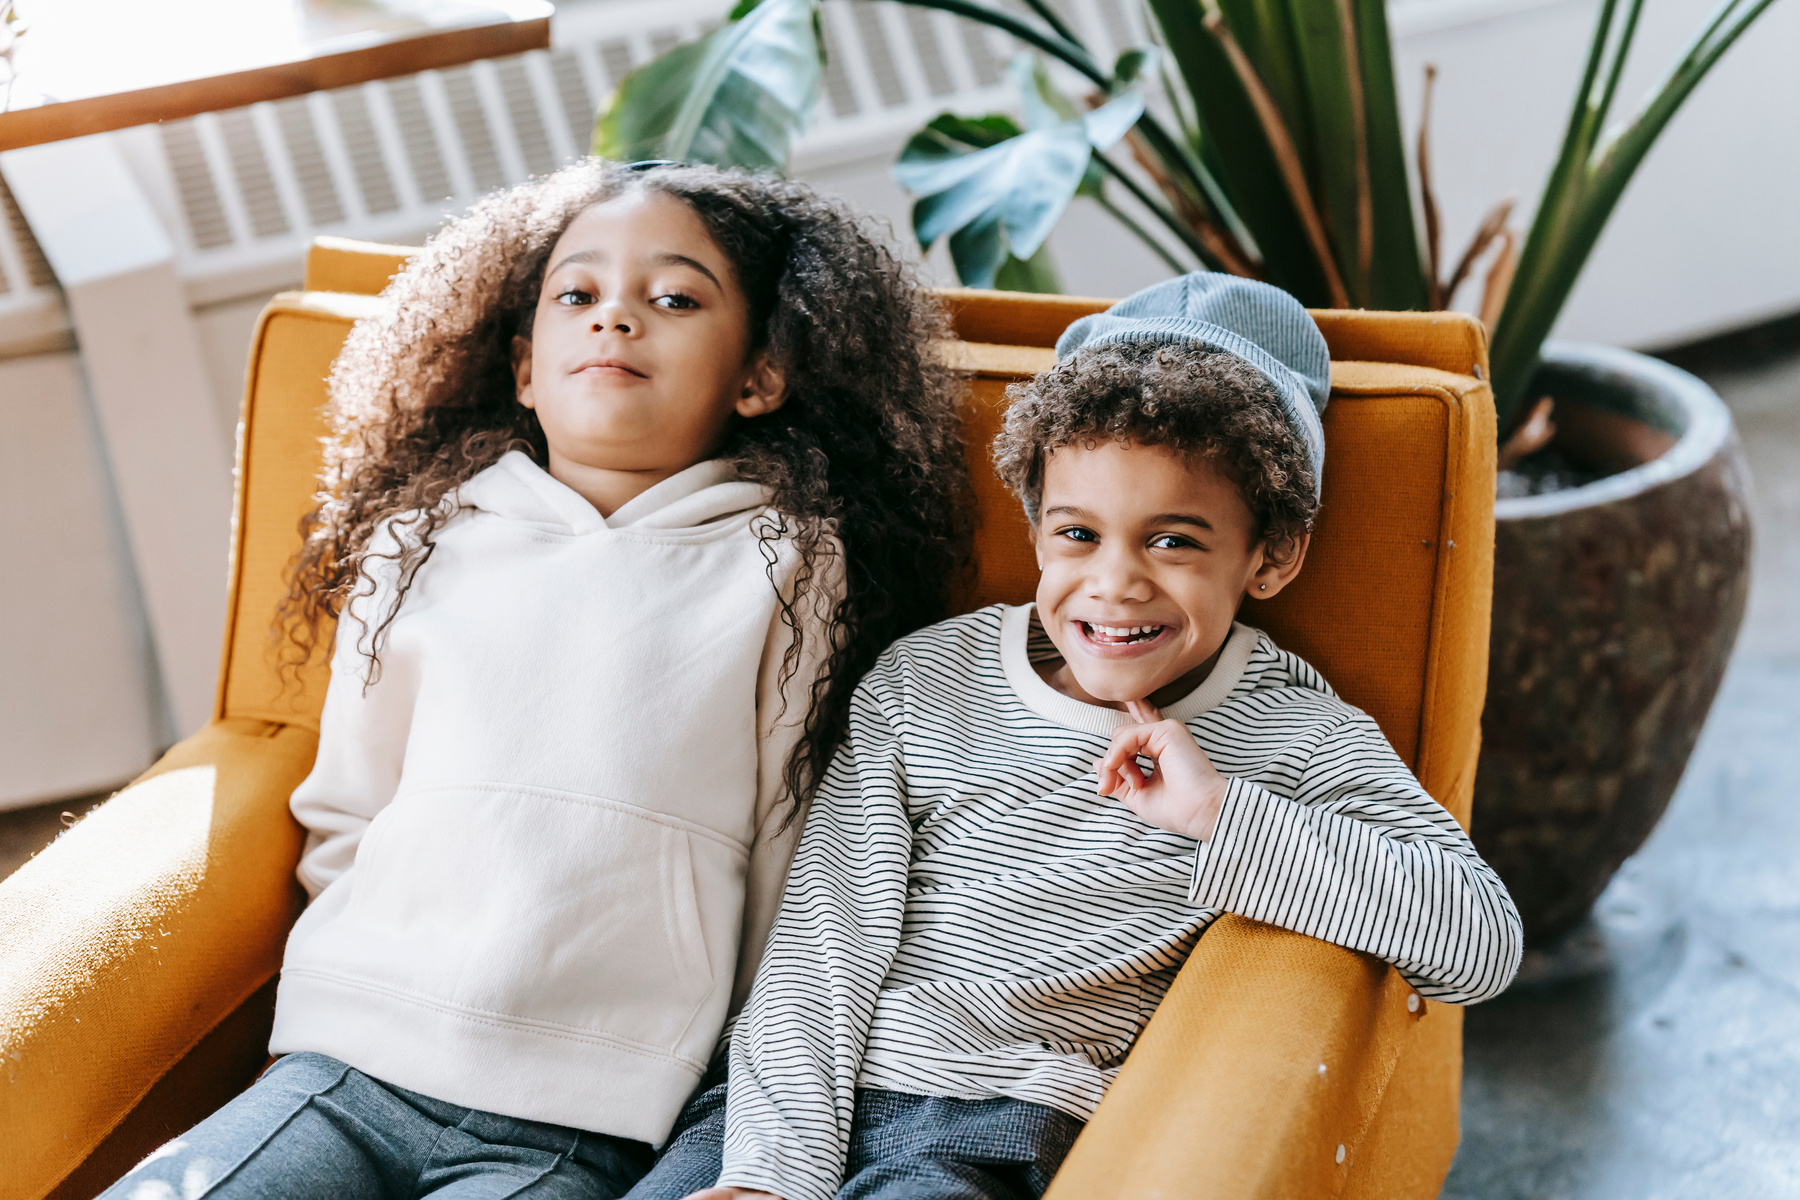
(612, 316)
(1115, 575)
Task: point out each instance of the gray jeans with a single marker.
(314, 1129)
(902, 1147)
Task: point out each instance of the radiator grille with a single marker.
(26, 283)
(391, 159)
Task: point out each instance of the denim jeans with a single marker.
(902, 1147)
(314, 1129)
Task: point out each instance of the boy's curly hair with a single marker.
(866, 448)
(1194, 400)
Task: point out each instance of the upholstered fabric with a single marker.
(296, 340)
(136, 951)
(138, 932)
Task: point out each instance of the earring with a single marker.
(1262, 587)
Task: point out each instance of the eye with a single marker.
(574, 298)
(1078, 533)
(676, 300)
(1172, 541)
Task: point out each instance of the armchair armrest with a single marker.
(1270, 1052)
(136, 933)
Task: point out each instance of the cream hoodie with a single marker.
(547, 838)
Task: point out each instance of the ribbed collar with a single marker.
(518, 488)
(1053, 706)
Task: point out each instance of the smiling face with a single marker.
(640, 349)
(1145, 553)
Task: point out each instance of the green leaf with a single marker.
(1589, 178)
(1034, 274)
(1044, 103)
(1003, 198)
(740, 96)
(1397, 280)
(1327, 141)
(1267, 31)
(1238, 155)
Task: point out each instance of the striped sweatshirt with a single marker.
(965, 917)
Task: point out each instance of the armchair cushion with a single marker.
(135, 934)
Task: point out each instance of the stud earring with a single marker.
(1262, 587)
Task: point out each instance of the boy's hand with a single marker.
(1184, 792)
(730, 1193)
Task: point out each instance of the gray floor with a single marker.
(1671, 1069)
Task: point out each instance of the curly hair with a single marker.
(865, 449)
(1192, 399)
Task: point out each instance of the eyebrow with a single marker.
(666, 259)
(1168, 518)
(1175, 518)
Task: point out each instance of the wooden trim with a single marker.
(167, 102)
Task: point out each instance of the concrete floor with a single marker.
(1666, 1064)
(1669, 1068)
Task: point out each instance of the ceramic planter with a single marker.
(1616, 605)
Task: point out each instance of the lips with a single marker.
(1122, 641)
(609, 366)
(1119, 634)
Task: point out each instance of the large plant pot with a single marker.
(1615, 608)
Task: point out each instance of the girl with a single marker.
(632, 478)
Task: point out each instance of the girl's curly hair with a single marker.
(1189, 398)
(866, 447)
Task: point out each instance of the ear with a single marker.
(1277, 566)
(764, 388)
(1037, 544)
(521, 367)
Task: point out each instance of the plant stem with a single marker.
(1072, 53)
(1049, 17)
(1179, 160)
(1143, 235)
(1618, 66)
(1287, 158)
(1365, 203)
(1161, 211)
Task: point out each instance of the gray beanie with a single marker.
(1256, 322)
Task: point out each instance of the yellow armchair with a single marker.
(138, 953)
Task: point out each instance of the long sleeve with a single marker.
(362, 743)
(1363, 857)
(781, 711)
(798, 1046)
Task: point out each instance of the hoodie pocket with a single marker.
(538, 907)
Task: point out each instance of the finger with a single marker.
(1127, 743)
(1113, 778)
(1143, 712)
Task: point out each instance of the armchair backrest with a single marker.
(1392, 605)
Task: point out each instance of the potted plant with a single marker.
(1273, 147)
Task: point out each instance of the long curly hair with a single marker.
(866, 448)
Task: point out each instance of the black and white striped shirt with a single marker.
(965, 917)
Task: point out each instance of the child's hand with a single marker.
(1184, 792)
(730, 1193)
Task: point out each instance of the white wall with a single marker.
(78, 699)
(1705, 238)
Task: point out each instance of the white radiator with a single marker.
(246, 190)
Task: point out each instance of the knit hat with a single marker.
(1255, 322)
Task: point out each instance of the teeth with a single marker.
(1123, 631)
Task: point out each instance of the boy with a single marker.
(991, 896)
